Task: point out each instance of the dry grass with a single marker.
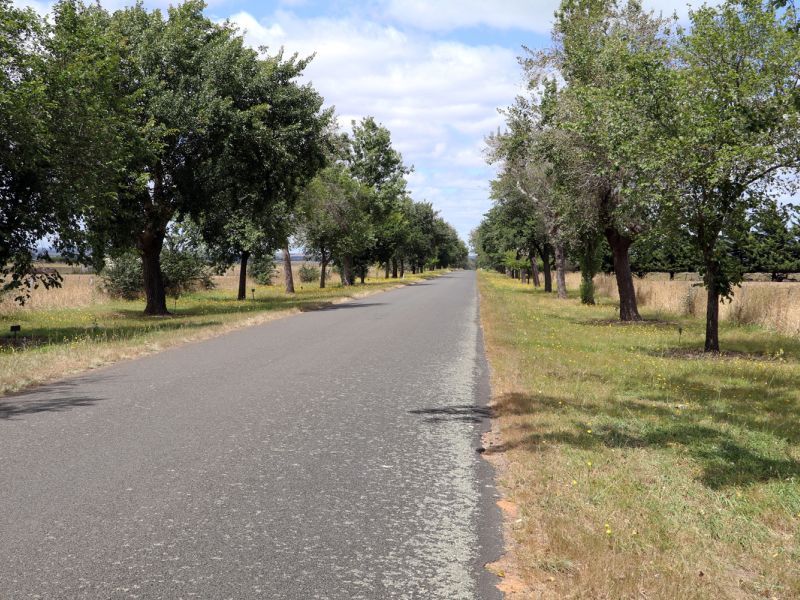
(80, 290)
(76, 327)
(637, 473)
(775, 306)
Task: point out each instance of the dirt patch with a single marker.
(506, 567)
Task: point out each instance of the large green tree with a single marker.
(735, 133)
(26, 212)
(600, 124)
(61, 145)
(335, 220)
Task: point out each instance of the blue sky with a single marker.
(434, 72)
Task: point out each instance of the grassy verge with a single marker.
(636, 467)
(65, 341)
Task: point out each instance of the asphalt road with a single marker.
(331, 455)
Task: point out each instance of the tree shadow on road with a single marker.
(51, 398)
(461, 413)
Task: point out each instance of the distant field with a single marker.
(636, 467)
(773, 305)
(78, 327)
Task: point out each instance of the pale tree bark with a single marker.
(620, 245)
(561, 267)
(288, 278)
(534, 269)
(347, 270)
(324, 267)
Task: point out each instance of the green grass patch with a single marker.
(647, 468)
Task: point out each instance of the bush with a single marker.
(263, 269)
(183, 271)
(309, 273)
(122, 277)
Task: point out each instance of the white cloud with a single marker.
(527, 15)
(448, 14)
(438, 98)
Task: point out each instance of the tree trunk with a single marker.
(413, 269)
(672, 275)
(394, 268)
(402, 268)
(548, 276)
(324, 267)
(149, 245)
(386, 273)
(561, 267)
(243, 276)
(628, 310)
(587, 288)
(534, 269)
(347, 270)
(288, 278)
(712, 309)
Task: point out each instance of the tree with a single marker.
(736, 130)
(375, 163)
(526, 168)
(335, 220)
(60, 143)
(600, 125)
(278, 141)
(26, 213)
(176, 74)
(772, 244)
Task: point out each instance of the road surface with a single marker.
(328, 455)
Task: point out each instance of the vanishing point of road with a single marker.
(328, 455)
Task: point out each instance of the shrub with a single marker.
(183, 270)
(309, 273)
(122, 277)
(263, 269)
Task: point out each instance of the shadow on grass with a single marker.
(67, 335)
(725, 459)
(51, 398)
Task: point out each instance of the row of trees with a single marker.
(115, 127)
(357, 212)
(655, 141)
(769, 244)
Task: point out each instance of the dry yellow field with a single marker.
(775, 306)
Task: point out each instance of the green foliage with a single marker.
(184, 268)
(262, 268)
(772, 244)
(665, 141)
(184, 271)
(309, 273)
(122, 277)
